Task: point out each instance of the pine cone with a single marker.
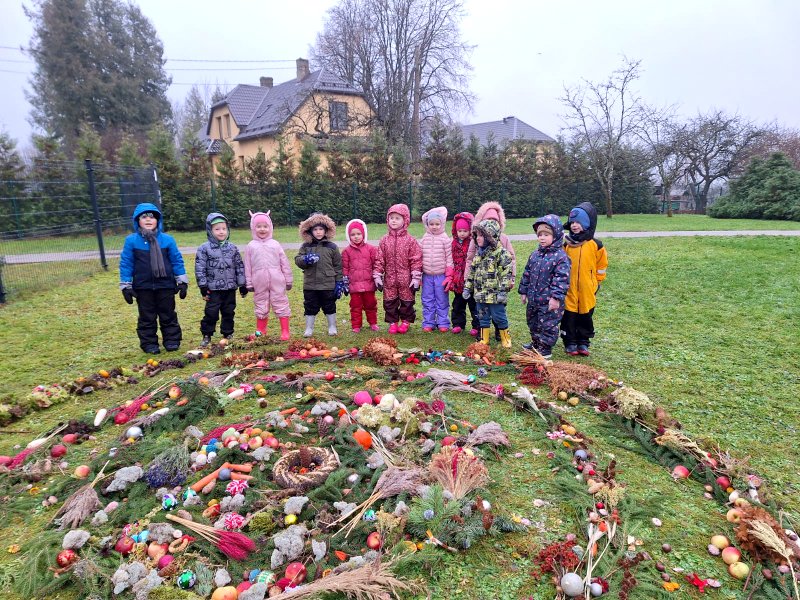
(323, 428)
(170, 570)
(488, 519)
(305, 457)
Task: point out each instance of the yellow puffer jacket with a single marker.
(589, 264)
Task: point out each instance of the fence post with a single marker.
(2, 287)
(16, 211)
(98, 226)
(155, 187)
(121, 198)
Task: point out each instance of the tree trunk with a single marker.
(609, 210)
(665, 199)
(415, 133)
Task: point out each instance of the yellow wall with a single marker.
(301, 124)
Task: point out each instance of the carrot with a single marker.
(199, 485)
(315, 352)
(237, 476)
(183, 402)
(305, 414)
(243, 468)
(289, 411)
(340, 555)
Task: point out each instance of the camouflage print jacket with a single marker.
(491, 274)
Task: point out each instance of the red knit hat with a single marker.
(462, 224)
(355, 225)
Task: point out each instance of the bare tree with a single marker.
(717, 147)
(603, 117)
(406, 55)
(660, 134)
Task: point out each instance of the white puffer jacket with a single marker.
(437, 250)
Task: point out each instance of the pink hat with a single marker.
(462, 224)
(491, 213)
(355, 225)
(259, 218)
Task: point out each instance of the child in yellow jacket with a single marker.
(589, 264)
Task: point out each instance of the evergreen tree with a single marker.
(194, 116)
(283, 163)
(161, 152)
(129, 153)
(98, 62)
(11, 186)
(88, 145)
(194, 189)
(11, 167)
(58, 199)
(309, 163)
(231, 199)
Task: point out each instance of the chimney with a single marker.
(266, 81)
(302, 69)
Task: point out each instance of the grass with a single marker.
(707, 327)
(286, 234)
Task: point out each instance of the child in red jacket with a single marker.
(358, 263)
(398, 269)
(462, 236)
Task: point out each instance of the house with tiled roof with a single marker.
(317, 106)
(504, 131)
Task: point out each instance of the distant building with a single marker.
(504, 131)
(319, 106)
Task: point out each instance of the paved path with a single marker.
(45, 257)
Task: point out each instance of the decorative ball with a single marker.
(267, 577)
(169, 502)
(201, 460)
(370, 515)
(224, 474)
(134, 432)
(257, 333)
(471, 378)
(187, 494)
(361, 398)
(428, 514)
(165, 560)
(596, 589)
(572, 584)
(66, 557)
(581, 454)
(186, 579)
(251, 576)
(290, 519)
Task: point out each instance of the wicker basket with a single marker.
(325, 461)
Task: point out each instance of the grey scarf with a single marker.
(156, 256)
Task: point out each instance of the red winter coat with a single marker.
(459, 251)
(358, 262)
(399, 258)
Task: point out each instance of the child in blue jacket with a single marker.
(151, 271)
(544, 284)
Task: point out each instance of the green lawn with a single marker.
(707, 327)
(114, 241)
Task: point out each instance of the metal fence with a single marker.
(65, 221)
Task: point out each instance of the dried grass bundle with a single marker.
(453, 381)
(770, 541)
(383, 351)
(80, 505)
(457, 471)
(488, 433)
(573, 377)
(373, 581)
(392, 482)
(529, 358)
(232, 544)
(681, 443)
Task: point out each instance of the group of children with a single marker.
(478, 265)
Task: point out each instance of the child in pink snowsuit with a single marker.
(268, 274)
(398, 269)
(437, 271)
(358, 262)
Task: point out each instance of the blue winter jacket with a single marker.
(547, 272)
(134, 262)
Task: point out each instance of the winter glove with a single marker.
(339, 290)
(502, 297)
(415, 283)
(204, 292)
(378, 282)
(346, 285)
(288, 286)
(182, 289)
(554, 304)
(129, 294)
(466, 294)
(243, 290)
(311, 258)
(524, 299)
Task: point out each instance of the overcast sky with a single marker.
(736, 55)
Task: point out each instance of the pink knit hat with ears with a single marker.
(259, 217)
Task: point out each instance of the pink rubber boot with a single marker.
(261, 326)
(284, 328)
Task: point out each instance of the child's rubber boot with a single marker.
(505, 338)
(332, 324)
(206, 341)
(309, 325)
(403, 327)
(485, 334)
(261, 326)
(284, 328)
(393, 328)
(375, 327)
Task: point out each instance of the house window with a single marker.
(228, 125)
(338, 112)
(219, 127)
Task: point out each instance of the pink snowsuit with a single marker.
(267, 272)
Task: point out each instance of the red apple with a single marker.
(731, 555)
(720, 541)
(295, 572)
(66, 557)
(81, 471)
(175, 392)
(448, 440)
(273, 442)
(374, 541)
(739, 570)
(244, 586)
(70, 438)
(283, 583)
(329, 375)
(723, 482)
(120, 418)
(58, 451)
(124, 545)
(680, 472)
